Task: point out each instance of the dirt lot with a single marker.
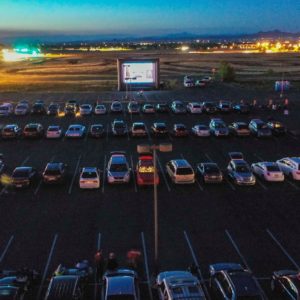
(98, 71)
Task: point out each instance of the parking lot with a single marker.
(203, 224)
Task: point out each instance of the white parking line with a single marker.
(47, 266)
(261, 184)
(163, 174)
(283, 249)
(292, 184)
(196, 263)
(170, 137)
(74, 176)
(25, 161)
(6, 248)
(104, 173)
(146, 266)
(133, 174)
(229, 183)
(258, 157)
(292, 136)
(208, 157)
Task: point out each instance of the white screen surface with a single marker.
(138, 72)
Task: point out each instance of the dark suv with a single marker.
(33, 130)
(23, 176)
(55, 172)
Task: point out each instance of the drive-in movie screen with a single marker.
(138, 72)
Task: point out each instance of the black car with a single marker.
(209, 107)
(286, 283)
(11, 131)
(241, 108)
(70, 110)
(180, 130)
(159, 129)
(53, 109)
(96, 130)
(33, 130)
(38, 109)
(55, 172)
(16, 285)
(162, 108)
(119, 127)
(73, 103)
(277, 128)
(210, 172)
(23, 176)
(230, 281)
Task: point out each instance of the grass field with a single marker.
(98, 71)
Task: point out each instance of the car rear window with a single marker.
(52, 172)
(184, 171)
(137, 127)
(273, 168)
(242, 126)
(20, 173)
(118, 168)
(53, 128)
(30, 129)
(119, 125)
(89, 175)
(242, 169)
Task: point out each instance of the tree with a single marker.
(226, 72)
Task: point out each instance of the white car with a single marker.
(290, 166)
(180, 171)
(89, 178)
(269, 171)
(201, 130)
(21, 109)
(85, 109)
(6, 109)
(75, 131)
(54, 132)
(218, 127)
(194, 108)
(100, 109)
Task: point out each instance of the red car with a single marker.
(145, 171)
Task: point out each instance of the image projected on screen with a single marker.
(138, 73)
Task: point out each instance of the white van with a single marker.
(6, 109)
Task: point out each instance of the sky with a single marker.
(148, 17)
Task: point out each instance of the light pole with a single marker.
(145, 148)
(128, 78)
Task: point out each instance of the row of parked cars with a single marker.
(73, 108)
(227, 281)
(216, 127)
(179, 171)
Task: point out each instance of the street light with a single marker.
(163, 147)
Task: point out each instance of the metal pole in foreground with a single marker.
(155, 210)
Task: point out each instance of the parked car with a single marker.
(70, 110)
(22, 109)
(75, 131)
(180, 171)
(162, 107)
(194, 108)
(239, 129)
(38, 109)
(138, 129)
(55, 172)
(200, 83)
(116, 107)
(53, 109)
(241, 108)
(148, 109)
(6, 109)
(54, 132)
(180, 130)
(225, 107)
(145, 171)
(290, 166)
(188, 81)
(259, 128)
(96, 131)
(73, 103)
(231, 281)
(235, 155)
(133, 107)
(120, 284)
(118, 170)
(210, 172)
(285, 284)
(23, 176)
(239, 172)
(218, 128)
(277, 128)
(119, 127)
(85, 109)
(178, 107)
(33, 130)
(208, 107)
(269, 171)
(159, 129)
(11, 131)
(201, 130)
(100, 109)
(89, 178)
(172, 285)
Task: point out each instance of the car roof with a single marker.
(23, 168)
(32, 125)
(181, 163)
(53, 165)
(118, 285)
(179, 125)
(53, 126)
(244, 283)
(118, 159)
(75, 125)
(10, 125)
(239, 162)
(89, 169)
(138, 123)
(159, 124)
(93, 125)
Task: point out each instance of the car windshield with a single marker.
(273, 168)
(137, 127)
(118, 168)
(179, 105)
(21, 107)
(120, 297)
(3, 108)
(53, 128)
(119, 125)
(100, 107)
(184, 171)
(20, 173)
(91, 174)
(219, 125)
(211, 169)
(242, 126)
(85, 106)
(74, 128)
(202, 127)
(242, 169)
(180, 128)
(30, 129)
(161, 127)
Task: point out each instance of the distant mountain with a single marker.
(39, 37)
